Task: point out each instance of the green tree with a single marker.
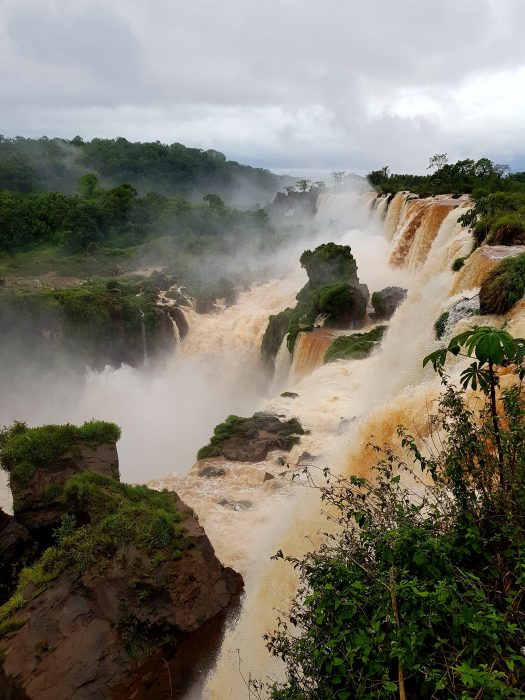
(215, 202)
(89, 186)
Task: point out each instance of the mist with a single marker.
(167, 411)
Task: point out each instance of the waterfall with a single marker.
(310, 349)
(480, 263)
(344, 405)
(393, 214)
(167, 413)
(144, 345)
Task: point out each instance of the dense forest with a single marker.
(54, 165)
(477, 177)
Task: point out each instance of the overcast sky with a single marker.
(280, 83)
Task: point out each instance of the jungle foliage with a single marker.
(418, 591)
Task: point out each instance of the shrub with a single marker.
(458, 264)
(503, 286)
(102, 516)
(342, 303)
(440, 325)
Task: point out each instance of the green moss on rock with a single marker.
(503, 286)
(101, 517)
(276, 330)
(354, 347)
(440, 325)
(23, 449)
(458, 264)
(250, 439)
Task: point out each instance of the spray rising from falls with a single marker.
(342, 404)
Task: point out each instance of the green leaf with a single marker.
(390, 686)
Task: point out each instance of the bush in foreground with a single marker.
(419, 592)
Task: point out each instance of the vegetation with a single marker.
(333, 293)
(276, 330)
(235, 426)
(23, 449)
(356, 346)
(419, 592)
(38, 165)
(440, 325)
(503, 286)
(467, 176)
(101, 517)
(457, 264)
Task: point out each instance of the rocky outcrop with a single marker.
(16, 549)
(179, 318)
(251, 439)
(131, 629)
(38, 502)
(294, 204)
(386, 301)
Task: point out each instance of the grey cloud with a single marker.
(282, 83)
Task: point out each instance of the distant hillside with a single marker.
(40, 165)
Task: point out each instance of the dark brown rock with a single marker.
(180, 319)
(16, 549)
(38, 502)
(114, 633)
(386, 301)
(251, 439)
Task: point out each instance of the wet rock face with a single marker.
(37, 503)
(386, 301)
(16, 548)
(178, 316)
(113, 633)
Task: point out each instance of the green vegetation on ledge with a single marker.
(101, 517)
(333, 291)
(356, 346)
(23, 449)
(285, 434)
(503, 286)
(440, 325)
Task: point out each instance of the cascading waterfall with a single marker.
(309, 351)
(144, 344)
(343, 404)
(420, 220)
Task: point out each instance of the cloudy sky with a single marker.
(280, 83)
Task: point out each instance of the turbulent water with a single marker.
(167, 413)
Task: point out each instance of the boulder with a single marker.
(251, 439)
(386, 301)
(130, 627)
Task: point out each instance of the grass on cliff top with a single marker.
(23, 449)
(102, 516)
(504, 286)
(354, 347)
(236, 425)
